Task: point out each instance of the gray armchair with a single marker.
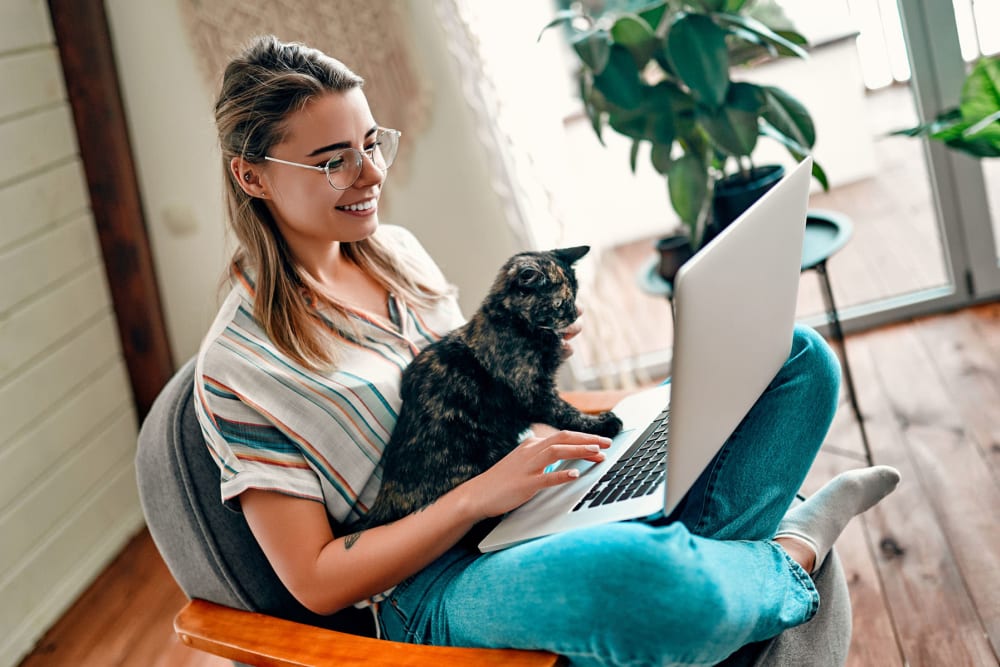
(240, 610)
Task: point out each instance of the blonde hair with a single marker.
(260, 88)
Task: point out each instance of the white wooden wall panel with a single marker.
(24, 24)
(33, 267)
(31, 204)
(27, 334)
(37, 78)
(27, 456)
(31, 517)
(68, 501)
(36, 141)
(30, 395)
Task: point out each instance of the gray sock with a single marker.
(823, 516)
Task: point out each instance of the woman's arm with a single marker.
(327, 573)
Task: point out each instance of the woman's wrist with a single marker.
(464, 497)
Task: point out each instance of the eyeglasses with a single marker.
(344, 167)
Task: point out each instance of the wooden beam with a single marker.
(84, 41)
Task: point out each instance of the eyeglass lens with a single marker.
(344, 168)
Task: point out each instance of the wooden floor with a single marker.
(923, 567)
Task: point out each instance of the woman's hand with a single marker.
(571, 332)
(517, 477)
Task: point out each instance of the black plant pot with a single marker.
(674, 251)
(735, 193)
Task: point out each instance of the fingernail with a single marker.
(593, 448)
(573, 472)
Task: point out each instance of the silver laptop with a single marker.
(735, 311)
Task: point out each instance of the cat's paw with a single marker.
(607, 424)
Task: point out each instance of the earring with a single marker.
(248, 177)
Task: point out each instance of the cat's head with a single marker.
(539, 287)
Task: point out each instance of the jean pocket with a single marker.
(393, 615)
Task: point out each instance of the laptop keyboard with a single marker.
(638, 472)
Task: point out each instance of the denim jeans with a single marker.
(688, 590)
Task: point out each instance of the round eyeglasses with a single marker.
(344, 166)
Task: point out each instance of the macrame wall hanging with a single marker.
(370, 37)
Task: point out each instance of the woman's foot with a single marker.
(816, 523)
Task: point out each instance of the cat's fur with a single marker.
(467, 397)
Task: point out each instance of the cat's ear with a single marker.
(571, 255)
(530, 277)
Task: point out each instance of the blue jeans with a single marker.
(689, 590)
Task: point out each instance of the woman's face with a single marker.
(307, 209)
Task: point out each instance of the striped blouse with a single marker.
(272, 424)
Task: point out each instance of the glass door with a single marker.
(941, 39)
(925, 218)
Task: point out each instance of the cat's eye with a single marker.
(530, 277)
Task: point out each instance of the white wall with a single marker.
(67, 427)
(445, 199)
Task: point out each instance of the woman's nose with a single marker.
(370, 173)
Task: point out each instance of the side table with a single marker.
(826, 233)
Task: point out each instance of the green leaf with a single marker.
(783, 44)
(630, 123)
(634, 154)
(733, 128)
(820, 176)
(755, 47)
(564, 16)
(710, 5)
(653, 14)
(652, 119)
(981, 99)
(593, 48)
(635, 35)
(982, 125)
(660, 157)
(663, 102)
(794, 37)
(687, 182)
(788, 116)
(951, 128)
(797, 151)
(619, 81)
(943, 122)
(734, 6)
(592, 103)
(696, 50)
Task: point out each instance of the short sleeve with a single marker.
(251, 451)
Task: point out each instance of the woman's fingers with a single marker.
(571, 332)
(591, 452)
(574, 438)
(558, 477)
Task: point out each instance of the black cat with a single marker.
(467, 397)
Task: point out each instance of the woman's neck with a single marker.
(344, 281)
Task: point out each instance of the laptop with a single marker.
(734, 307)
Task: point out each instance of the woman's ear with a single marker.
(247, 176)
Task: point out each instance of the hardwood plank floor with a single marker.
(923, 567)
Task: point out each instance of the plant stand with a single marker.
(826, 233)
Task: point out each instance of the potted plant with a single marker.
(661, 74)
(973, 126)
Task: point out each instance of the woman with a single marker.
(298, 386)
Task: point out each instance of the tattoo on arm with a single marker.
(351, 539)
